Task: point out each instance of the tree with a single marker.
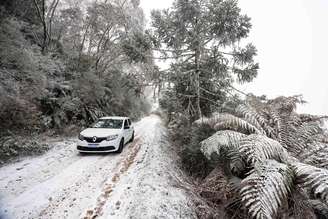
(275, 158)
(46, 15)
(204, 40)
(69, 24)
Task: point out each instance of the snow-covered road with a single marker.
(141, 182)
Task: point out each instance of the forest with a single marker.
(65, 63)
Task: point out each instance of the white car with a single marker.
(108, 134)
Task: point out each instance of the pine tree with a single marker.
(205, 40)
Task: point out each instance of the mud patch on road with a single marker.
(109, 186)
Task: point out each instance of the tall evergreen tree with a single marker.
(205, 40)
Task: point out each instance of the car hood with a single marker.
(99, 132)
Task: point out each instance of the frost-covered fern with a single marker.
(230, 122)
(313, 178)
(265, 148)
(315, 154)
(221, 141)
(257, 148)
(256, 119)
(266, 188)
(225, 144)
(277, 120)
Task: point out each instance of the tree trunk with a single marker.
(52, 13)
(82, 43)
(197, 62)
(44, 24)
(197, 57)
(42, 15)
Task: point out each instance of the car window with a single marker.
(129, 121)
(108, 124)
(126, 124)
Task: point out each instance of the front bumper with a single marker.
(96, 149)
(104, 146)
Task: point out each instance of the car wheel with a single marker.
(120, 148)
(132, 137)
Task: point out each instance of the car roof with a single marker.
(114, 117)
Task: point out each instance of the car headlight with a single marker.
(111, 137)
(81, 137)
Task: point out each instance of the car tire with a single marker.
(132, 137)
(120, 147)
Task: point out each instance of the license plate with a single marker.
(93, 145)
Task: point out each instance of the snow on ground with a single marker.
(141, 182)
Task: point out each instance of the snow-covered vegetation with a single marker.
(278, 156)
(255, 157)
(64, 63)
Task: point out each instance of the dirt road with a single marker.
(141, 182)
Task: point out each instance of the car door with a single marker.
(131, 127)
(126, 131)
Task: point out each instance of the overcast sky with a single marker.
(292, 41)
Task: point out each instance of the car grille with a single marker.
(109, 148)
(90, 140)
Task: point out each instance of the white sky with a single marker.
(292, 41)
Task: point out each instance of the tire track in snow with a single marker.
(58, 184)
(110, 186)
(61, 184)
(69, 201)
(151, 187)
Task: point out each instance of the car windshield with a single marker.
(108, 124)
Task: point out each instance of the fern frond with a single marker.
(308, 130)
(257, 148)
(315, 154)
(286, 104)
(320, 208)
(221, 141)
(230, 122)
(224, 121)
(234, 184)
(211, 121)
(313, 178)
(225, 144)
(255, 118)
(268, 186)
(292, 134)
(281, 127)
(312, 118)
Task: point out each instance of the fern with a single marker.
(230, 122)
(212, 121)
(320, 208)
(280, 127)
(221, 141)
(256, 119)
(316, 154)
(266, 188)
(313, 178)
(257, 148)
(227, 121)
(263, 144)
